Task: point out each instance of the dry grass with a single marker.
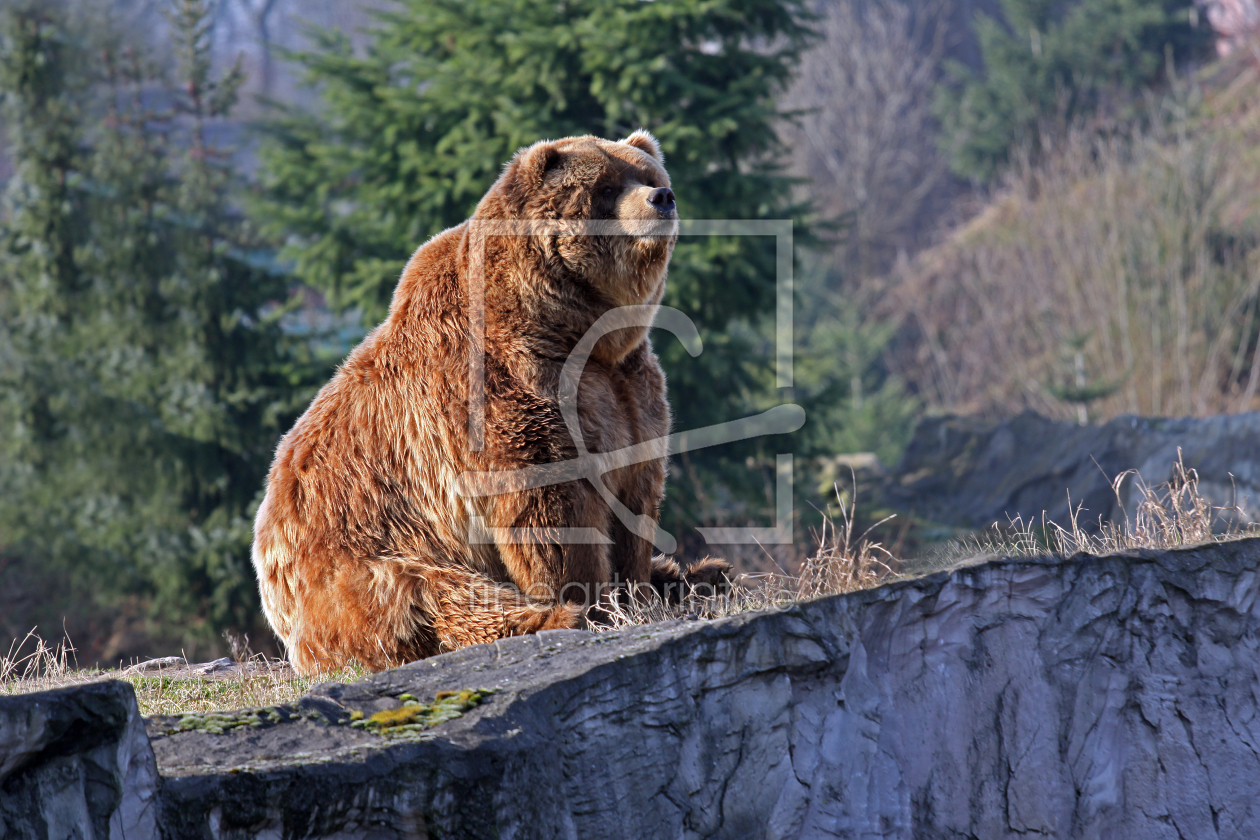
(34, 664)
(1168, 515)
(842, 563)
(1118, 275)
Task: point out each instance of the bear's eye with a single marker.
(608, 192)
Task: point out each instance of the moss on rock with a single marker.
(413, 716)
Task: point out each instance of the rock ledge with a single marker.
(1111, 697)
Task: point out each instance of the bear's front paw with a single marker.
(710, 576)
(704, 578)
(566, 617)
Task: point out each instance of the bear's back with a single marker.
(367, 465)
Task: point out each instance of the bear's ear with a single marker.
(530, 165)
(645, 142)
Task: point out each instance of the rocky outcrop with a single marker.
(1110, 697)
(972, 472)
(76, 763)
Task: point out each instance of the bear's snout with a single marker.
(663, 200)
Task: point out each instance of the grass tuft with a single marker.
(34, 664)
(1172, 514)
(842, 563)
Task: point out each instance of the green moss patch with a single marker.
(413, 716)
(217, 723)
(406, 720)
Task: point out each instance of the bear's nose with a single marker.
(662, 199)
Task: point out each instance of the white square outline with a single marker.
(782, 532)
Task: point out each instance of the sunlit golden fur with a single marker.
(362, 543)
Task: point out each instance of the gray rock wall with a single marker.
(76, 763)
(1097, 698)
(973, 472)
(1091, 698)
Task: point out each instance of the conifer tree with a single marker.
(142, 388)
(414, 129)
(1052, 61)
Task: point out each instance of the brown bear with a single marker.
(362, 543)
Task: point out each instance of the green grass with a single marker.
(33, 664)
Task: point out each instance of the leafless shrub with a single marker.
(1120, 274)
(864, 141)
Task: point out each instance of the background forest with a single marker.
(998, 206)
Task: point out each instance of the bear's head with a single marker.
(604, 212)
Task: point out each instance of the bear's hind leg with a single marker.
(466, 608)
(382, 614)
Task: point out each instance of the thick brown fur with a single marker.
(361, 545)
